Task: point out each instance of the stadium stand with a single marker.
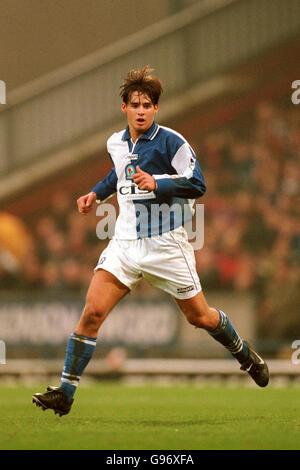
(234, 107)
(252, 239)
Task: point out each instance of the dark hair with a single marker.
(142, 82)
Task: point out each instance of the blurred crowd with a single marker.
(252, 238)
(252, 231)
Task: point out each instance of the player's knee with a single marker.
(195, 319)
(199, 320)
(94, 315)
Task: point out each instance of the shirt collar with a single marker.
(149, 134)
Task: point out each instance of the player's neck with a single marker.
(136, 134)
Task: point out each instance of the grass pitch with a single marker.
(119, 417)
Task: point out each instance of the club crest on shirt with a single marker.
(130, 170)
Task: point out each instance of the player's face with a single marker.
(140, 113)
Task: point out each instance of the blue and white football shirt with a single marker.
(167, 156)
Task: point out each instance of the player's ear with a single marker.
(124, 107)
(156, 108)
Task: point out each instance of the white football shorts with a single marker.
(166, 261)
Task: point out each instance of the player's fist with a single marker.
(85, 203)
(143, 180)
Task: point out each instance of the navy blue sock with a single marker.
(226, 335)
(78, 353)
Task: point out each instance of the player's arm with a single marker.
(188, 182)
(101, 191)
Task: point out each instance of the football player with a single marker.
(153, 167)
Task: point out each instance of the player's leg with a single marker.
(170, 265)
(219, 326)
(198, 312)
(104, 293)
(215, 322)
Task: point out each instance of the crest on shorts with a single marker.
(130, 170)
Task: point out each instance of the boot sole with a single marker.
(40, 404)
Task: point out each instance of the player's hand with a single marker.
(85, 203)
(143, 180)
